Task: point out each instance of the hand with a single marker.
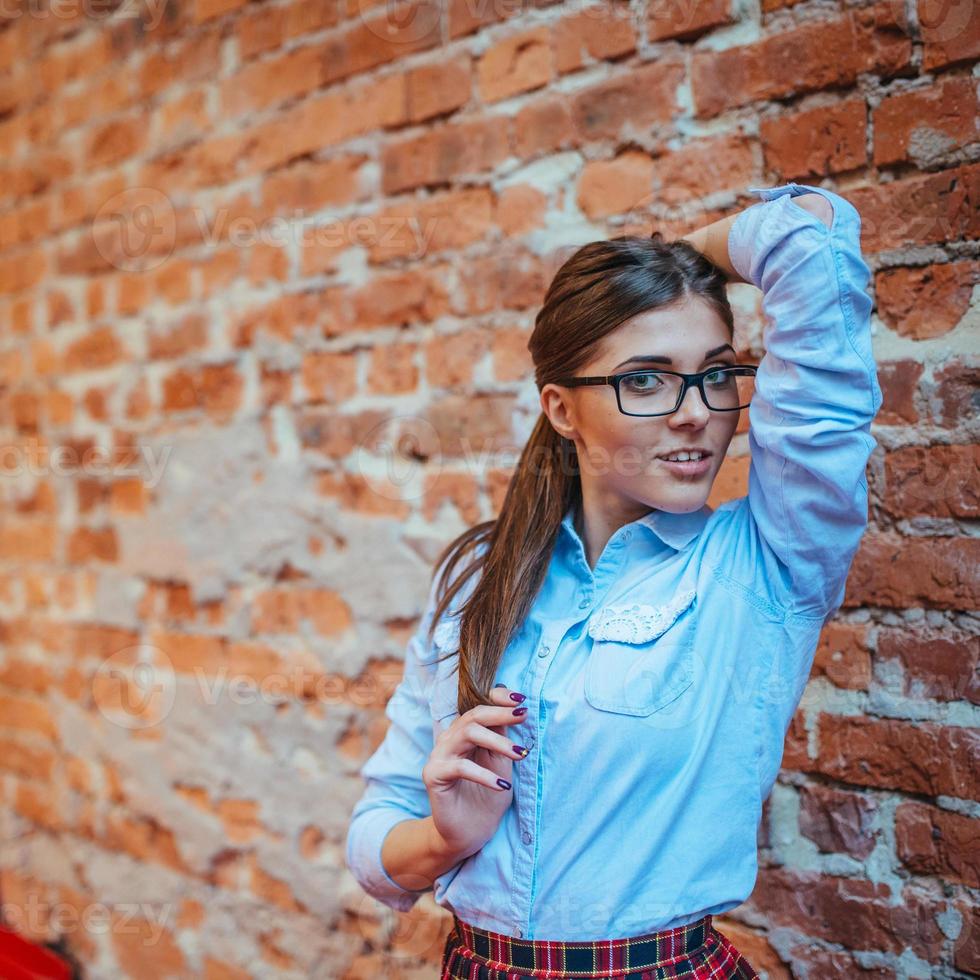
(462, 771)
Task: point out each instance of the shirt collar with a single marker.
(676, 530)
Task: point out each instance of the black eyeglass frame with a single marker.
(690, 380)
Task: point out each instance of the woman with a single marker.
(658, 648)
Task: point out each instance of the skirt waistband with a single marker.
(589, 958)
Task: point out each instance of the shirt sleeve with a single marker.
(816, 391)
(395, 791)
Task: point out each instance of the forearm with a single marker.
(712, 241)
(414, 854)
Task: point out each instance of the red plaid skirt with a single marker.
(696, 951)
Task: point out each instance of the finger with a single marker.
(444, 772)
(470, 733)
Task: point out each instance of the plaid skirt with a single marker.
(696, 951)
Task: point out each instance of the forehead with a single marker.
(682, 332)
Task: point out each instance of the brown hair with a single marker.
(599, 287)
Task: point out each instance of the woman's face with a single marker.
(617, 453)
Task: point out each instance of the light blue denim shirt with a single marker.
(661, 683)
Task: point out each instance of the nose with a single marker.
(692, 408)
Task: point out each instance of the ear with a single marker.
(559, 405)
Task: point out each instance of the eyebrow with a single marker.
(661, 359)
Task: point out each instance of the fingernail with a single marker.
(521, 751)
(517, 697)
(520, 711)
(503, 783)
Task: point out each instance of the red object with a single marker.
(21, 959)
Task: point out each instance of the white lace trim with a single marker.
(446, 635)
(638, 622)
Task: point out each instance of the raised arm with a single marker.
(816, 391)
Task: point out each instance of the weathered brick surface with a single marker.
(267, 276)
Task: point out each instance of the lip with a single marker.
(688, 467)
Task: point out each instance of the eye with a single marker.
(647, 381)
(719, 377)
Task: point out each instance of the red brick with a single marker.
(925, 126)
(615, 186)
(92, 544)
(966, 949)
(950, 32)
(520, 208)
(898, 381)
(599, 32)
(637, 99)
(443, 153)
(912, 757)
(470, 426)
(932, 841)
(954, 392)
(543, 126)
(843, 656)
(436, 89)
(898, 572)
(459, 489)
(401, 29)
(393, 299)
(852, 912)
(518, 63)
(509, 278)
(392, 369)
(703, 167)
(450, 359)
(934, 481)
(838, 821)
(804, 59)
(264, 83)
(919, 210)
(417, 229)
(686, 21)
(329, 377)
(941, 666)
(928, 301)
(816, 142)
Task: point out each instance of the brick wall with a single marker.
(246, 247)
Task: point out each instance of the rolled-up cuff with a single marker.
(365, 839)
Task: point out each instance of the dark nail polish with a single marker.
(518, 697)
(503, 783)
(521, 751)
(520, 711)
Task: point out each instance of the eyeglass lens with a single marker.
(656, 393)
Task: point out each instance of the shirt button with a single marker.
(519, 933)
(584, 604)
(544, 651)
(526, 837)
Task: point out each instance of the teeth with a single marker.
(681, 457)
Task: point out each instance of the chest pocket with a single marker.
(642, 656)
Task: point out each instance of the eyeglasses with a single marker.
(655, 392)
